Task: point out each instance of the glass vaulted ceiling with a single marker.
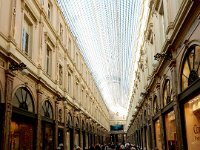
(106, 33)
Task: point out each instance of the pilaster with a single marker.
(8, 109)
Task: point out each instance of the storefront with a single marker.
(60, 137)
(23, 120)
(190, 98)
(170, 131)
(47, 126)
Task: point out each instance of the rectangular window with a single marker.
(77, 91)
(49, 11)
(26, 37)
(60, 74)
(69, 47)
(69, 83)
(77, 59)
(61, 32)
(48, 60)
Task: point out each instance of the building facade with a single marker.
(165, 107)
(57, 103)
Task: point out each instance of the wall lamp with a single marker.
(21, 67)
(166, 55)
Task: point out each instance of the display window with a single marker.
(47, 128)
(157, 135)
(192, 122)
(21, 135)
(170, 129)
(21, 128)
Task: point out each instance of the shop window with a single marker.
(21, 136)
(47, 110)
(21, 131)
(167, 98)
(170, 129)
(157, 135)
(192, 123)
(190, 69)
(23, 100)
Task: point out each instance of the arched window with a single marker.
(47, 110)
(190, 69)
(167, 91)
(155, 105)
(23, 99)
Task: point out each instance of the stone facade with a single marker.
(166, 87)
(65, 105)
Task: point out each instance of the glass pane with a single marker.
(186, 70)
(24, 94)
(171, 139)
(29, 103)
(165, 96)
(191, 59)
(192, 123)
(197, 59)
(157, 133)
(106, 31)
(21, 135)
(184, 82)
(48, 138)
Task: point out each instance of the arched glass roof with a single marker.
(106, 32)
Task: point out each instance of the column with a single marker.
(8, 109)
(65, 128)
(176, 105)
(38, 120)
(56, 126)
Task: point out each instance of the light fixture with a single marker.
(21, 67)
(155, 64)
(167, 55)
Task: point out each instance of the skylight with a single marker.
(106, 32)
